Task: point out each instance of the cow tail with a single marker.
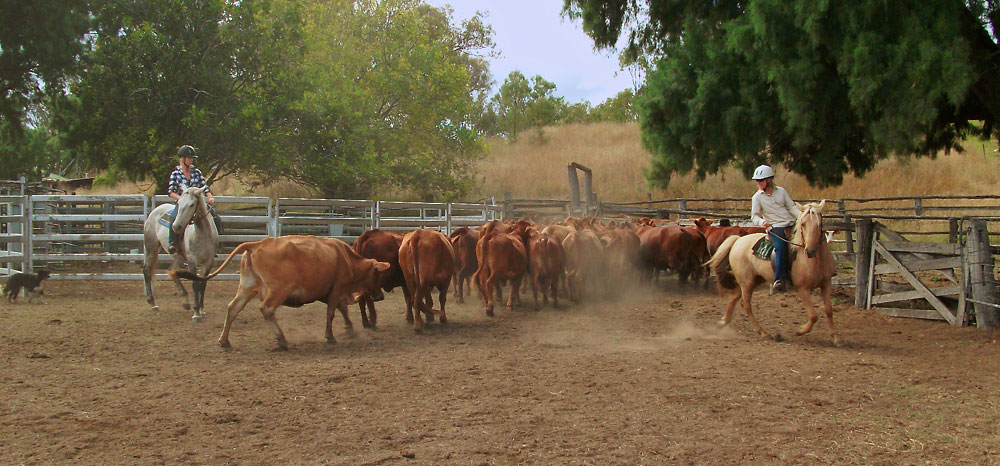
(482, 262)
(720, 264)
(194, 277)
(418, 299)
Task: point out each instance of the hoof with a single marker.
(280, 348)
(489, 312)
(155, 309)
(444, 321)
(509, 309)
(225, 344)
(418, 331)
(187, 307)
(330, 341)
(196, 318)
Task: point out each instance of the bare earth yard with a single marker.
(93, 376)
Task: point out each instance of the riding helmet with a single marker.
(187, 151)
(763, 172)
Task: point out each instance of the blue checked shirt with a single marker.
(177, 179)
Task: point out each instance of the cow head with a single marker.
(370, 280)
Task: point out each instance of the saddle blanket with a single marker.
(763, 248)
(164, 222)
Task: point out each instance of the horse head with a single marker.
(191, 203)
(810, 227)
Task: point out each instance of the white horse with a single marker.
(197, 244)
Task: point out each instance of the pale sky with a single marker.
(534, 38)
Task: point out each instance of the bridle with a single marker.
(802, 245)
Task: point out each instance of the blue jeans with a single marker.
(170, 234)
(779, 237)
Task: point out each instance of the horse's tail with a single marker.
(720, 264)
(194, 277)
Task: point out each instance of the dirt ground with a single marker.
(93, 376)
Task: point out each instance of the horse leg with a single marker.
(737, 294)
(828, 309)
(810, 311)
(149, 275)
(243, 296)
(174, 265)
(747, 292)
(195, 292)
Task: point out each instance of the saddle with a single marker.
(764, 249)
(215, 218)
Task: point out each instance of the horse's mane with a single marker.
(797, 230)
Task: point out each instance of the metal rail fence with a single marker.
(80, 233)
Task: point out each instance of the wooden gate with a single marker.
(893, 255)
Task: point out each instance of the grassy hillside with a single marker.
(534, 168)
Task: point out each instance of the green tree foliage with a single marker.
(619, 108)
(215, 74)
(391, 99)
(825, 88)
(40, 42)
(521, 103)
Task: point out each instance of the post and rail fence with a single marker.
(872, 235)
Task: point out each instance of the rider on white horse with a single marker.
(773, 209)
(185, 175)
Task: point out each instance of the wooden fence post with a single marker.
(918, 207)
(979, 260)
(953, 230)
(682, 205)
(574, 190)
(862, 261)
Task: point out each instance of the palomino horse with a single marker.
(197, 244)
(812, 266)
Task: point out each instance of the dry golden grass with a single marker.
(530, 169)
(533, 169)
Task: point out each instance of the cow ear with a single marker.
(382, 266)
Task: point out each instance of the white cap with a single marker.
(763, 172)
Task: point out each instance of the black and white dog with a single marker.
(30, 282)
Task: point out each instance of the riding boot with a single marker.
(777, 287)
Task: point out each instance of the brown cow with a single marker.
(428, 261)
(502, 258)
(382, 246)
(463, 240)
(698, 254)
(297, 270)
(715, 235)
(621, 250)
(547, 266)
(584, 261)
(493, 225)
(665, 247)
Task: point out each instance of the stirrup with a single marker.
(777, 287)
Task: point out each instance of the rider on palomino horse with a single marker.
(773, 209)
(185, 175)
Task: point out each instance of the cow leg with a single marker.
(515, 286)
(428, 315)
(330, 307)
(243, 296)
(534, 290)
(364, 315)
(443, 296)
(267, 309)
(810, 311)
(747, 292)
(348, 325)
(555, 290)
(828, 309)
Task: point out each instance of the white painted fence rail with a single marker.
(69, 230)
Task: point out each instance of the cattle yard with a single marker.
(640, 375)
